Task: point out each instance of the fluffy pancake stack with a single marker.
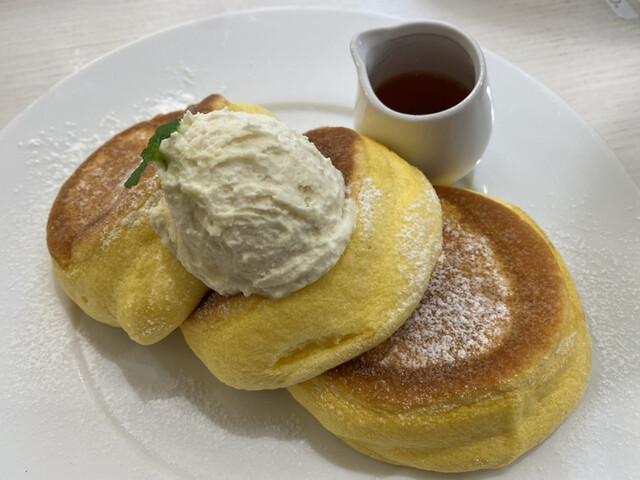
(113, 265)
(256, 343)
(482, 366)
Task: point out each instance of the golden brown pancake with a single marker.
(492, 360)
(258, 343)
(105, 254)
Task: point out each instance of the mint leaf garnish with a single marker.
(152, 152)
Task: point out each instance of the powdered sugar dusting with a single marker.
(40, 370)
(600, 259)
(151, 107)
(419, 244)
(464, 312)
(54, 153)
(369, 198)
(171, 99)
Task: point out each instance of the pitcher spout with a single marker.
(445, 140)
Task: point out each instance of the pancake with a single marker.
(490, 363)
(105, 254)
(259, 343)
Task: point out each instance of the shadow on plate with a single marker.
(125, 378)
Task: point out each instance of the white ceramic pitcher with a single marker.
(445, 145)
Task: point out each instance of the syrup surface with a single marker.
(421, 93)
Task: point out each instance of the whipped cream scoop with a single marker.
(249, 205)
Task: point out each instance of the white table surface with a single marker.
(581, 50)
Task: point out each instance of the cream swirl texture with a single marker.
(249, 205)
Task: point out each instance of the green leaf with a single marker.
(152, 152)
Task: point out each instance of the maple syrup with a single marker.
(421, 93)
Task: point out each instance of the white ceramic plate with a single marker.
(79, 400)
